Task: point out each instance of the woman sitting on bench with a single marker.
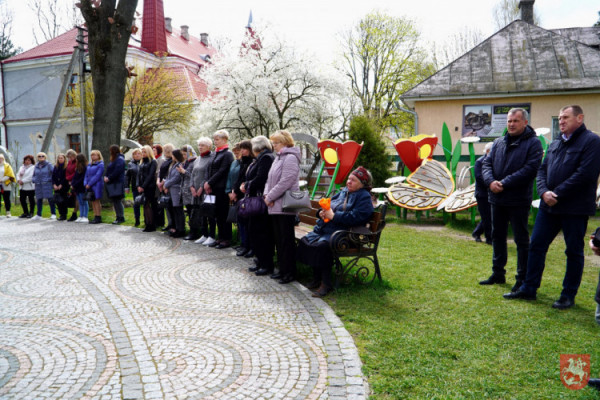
(350, 207)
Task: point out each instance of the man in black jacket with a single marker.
(481, 195)
(566, 182)
(508, 172)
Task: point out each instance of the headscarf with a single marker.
(364, 177)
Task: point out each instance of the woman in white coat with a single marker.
(25, 181)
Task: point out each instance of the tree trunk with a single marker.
(109, 29)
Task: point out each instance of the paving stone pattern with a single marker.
(110, 312)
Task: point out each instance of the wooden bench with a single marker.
(355, 244)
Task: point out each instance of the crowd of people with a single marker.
(194, 195)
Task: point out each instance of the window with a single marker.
(75, 141)
(555, 128)
(71, 90)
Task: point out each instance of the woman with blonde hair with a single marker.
(7, 176)
(93, 183)
(114, 182)
(42, 179)
(283, 175)
(146, 186)
(131, 181)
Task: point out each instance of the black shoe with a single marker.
(595, 383)
(477, 238)
(177, 235)
(249, 254)
(191, 237)
(322, 291)
(166, 228)
(241, 252)
(214, 244)
(149, 229)
(73, 217)
(117, 221)
(516, 286)
(62, 218)
(263, 272)
(313, 285)
(519, 294)
(24, 216)
(563, 303)
(276, 275)
(96, 220)
(223, 245)
(286, 279)
(254, 269)
(488, 242)
(499, 279)
(137, 222)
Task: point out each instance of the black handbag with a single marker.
(58, 198)
(232, 213)
(89, 195)
(250, 206)
(114, 189)
(164, 201)
(70, 200)
(140, 200)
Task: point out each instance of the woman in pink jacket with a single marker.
(283, 175)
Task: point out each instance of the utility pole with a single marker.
(82, 92)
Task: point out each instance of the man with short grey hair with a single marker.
(508, 172)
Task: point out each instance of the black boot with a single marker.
(137, 222)
(73, 217)
(96, 220)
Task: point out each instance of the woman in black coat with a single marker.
(260, 230)
(61, 185)
(131, 181)
(146, 185)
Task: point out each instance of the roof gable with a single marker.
(520, 58)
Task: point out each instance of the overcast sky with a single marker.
(314, 24)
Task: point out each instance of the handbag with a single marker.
(164, 201)
(114, 189)
(232, 213)
(140, 200)
(208, 207)
(70, 200)
(58, 198)
(251, 206)
(296, 200)
(89, 195)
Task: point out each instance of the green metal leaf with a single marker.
(455, 158)
(472, 154)
(447, 144)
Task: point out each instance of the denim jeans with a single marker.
(517, 216)
(84, 207)
(546, 227)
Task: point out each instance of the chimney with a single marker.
(154, 38)
(168, 25)
(204, 39)
(526, 7)
(184, 32)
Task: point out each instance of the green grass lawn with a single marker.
(431, 331)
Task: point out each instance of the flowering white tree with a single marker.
(266, 85)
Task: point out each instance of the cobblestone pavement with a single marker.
(110, 312)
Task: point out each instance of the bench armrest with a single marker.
(355, 239)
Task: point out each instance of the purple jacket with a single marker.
(93, 178)
(283, 175)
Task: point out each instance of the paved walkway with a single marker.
(110, 312)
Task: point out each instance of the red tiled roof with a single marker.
(59, 46)
(188, 84)
(62, 45)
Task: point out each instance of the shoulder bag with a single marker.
(296, 200)
(250, 206)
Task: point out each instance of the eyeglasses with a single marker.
(41, 156)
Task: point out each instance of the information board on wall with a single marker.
(487, 121)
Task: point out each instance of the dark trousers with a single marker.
(485, 225)
(27, 196)
(242, 224)
(150, 212)
(260, 233)
(318, 255)
(283, 232)
(178, 218)
(6, 197)
(136, 207)
(222, 209)
(546, 227)
(517, 216)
